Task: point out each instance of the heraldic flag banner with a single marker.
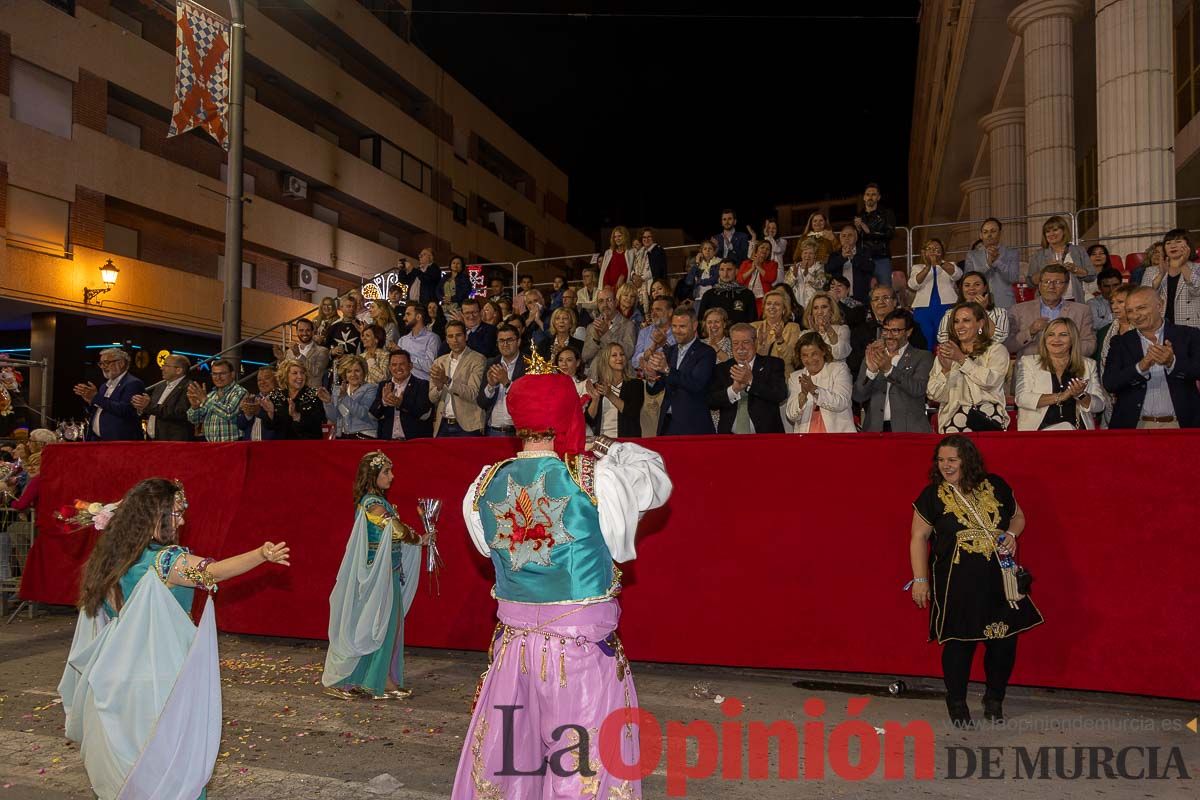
(201, 72)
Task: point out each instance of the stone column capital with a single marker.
(1033, 11)
(1014, 115)
(982, 183)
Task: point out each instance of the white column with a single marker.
(1046, 28)
(1005, 129)
(977, 192)
(1135, 115)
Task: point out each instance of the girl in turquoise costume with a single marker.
(372, 595)
(148, 726)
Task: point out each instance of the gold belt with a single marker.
(974, 540)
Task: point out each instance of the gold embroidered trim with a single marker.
(484, 789)
(582, 468)
(486, 480)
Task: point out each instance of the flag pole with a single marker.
(231, 318)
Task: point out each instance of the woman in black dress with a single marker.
(965, 523)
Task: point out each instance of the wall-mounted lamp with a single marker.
(108, 274)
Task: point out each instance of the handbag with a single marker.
(979, 422)
(1024, 579)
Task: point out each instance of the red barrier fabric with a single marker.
(774, 551)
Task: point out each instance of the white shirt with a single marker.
(609, 414)
(848, 269)
(450, 368)
(681, 352)
(304, 349)
(500, 416)
(887, 396)
(166, 393)
(397, 428)
(109, 388)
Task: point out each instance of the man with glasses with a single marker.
(165, 407)
(893, 378)
(883, 301)
(1030, 318)
(499, 374)
(217, 411)
(112, 416)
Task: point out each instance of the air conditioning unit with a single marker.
(294, 186)
(303, 276)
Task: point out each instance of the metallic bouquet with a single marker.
(430, 508)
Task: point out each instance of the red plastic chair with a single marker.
(1115, 262)
(1133, 261)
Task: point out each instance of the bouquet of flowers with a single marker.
(85, 515)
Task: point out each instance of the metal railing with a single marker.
(17, 531)
(1145, 203)
(43, 386)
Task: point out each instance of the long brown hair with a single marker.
(984, 340)
(367, 475)
(143, 516)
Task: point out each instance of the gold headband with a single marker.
(379, 460)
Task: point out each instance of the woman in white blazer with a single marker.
(934, 284)
(819, 393)
(967, 382)
(1057, 387)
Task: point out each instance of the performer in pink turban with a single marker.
(553, 520)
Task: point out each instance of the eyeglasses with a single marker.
(104, 362)
(1049, 282)
(222, 374)
(506, 340)
(897, 331)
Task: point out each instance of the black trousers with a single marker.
(999, 656)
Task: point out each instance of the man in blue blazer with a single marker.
(499, 373)
(402, 403)
(111, 416)
(1153, 368)
(684, 370)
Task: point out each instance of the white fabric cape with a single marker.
(142, 696)
(360, 605)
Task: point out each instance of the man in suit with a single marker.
(893, 378)
(499, 374)
(655, 256)
(313, 356)
(454, 383)
(402, 403)
(883, 302)
(607, 327)
(731, 243)
(481, 337)
(253, 423)
(684, 371)
(165, 408)
(1030, 318)
(111, 414)
(852, 263)
(1153, 368)
(748, 388)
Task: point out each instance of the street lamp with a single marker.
(108, 274)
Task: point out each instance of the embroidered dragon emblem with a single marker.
(529, 523)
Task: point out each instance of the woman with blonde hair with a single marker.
(824, 315)
(561, 334)
(617, 260)
(616, 397)
(967, 381)
(350, 408)
(776, 334)
(383, 315)
(1057, 249)
(818, 232)
(807, 276)
(1058, 388)
(758, 273)
(293, 410)
(327, 315)
(627, 304)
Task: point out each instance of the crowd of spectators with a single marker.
(838, 340)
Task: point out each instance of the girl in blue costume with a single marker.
(372, 595)
(148, 726)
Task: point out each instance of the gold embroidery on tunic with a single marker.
(996, 630)
(482, 486)
(622, 792)
(979, 516)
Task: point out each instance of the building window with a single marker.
(396, 162)
(462, 143)
(460, 208)
(37, 221)
(124, 131)
(40, 98)
(325, 214)
(1187, 68)
(119, 17)
(121, 241)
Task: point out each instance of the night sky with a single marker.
(662, 113)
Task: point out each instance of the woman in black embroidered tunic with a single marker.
(963, 523)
